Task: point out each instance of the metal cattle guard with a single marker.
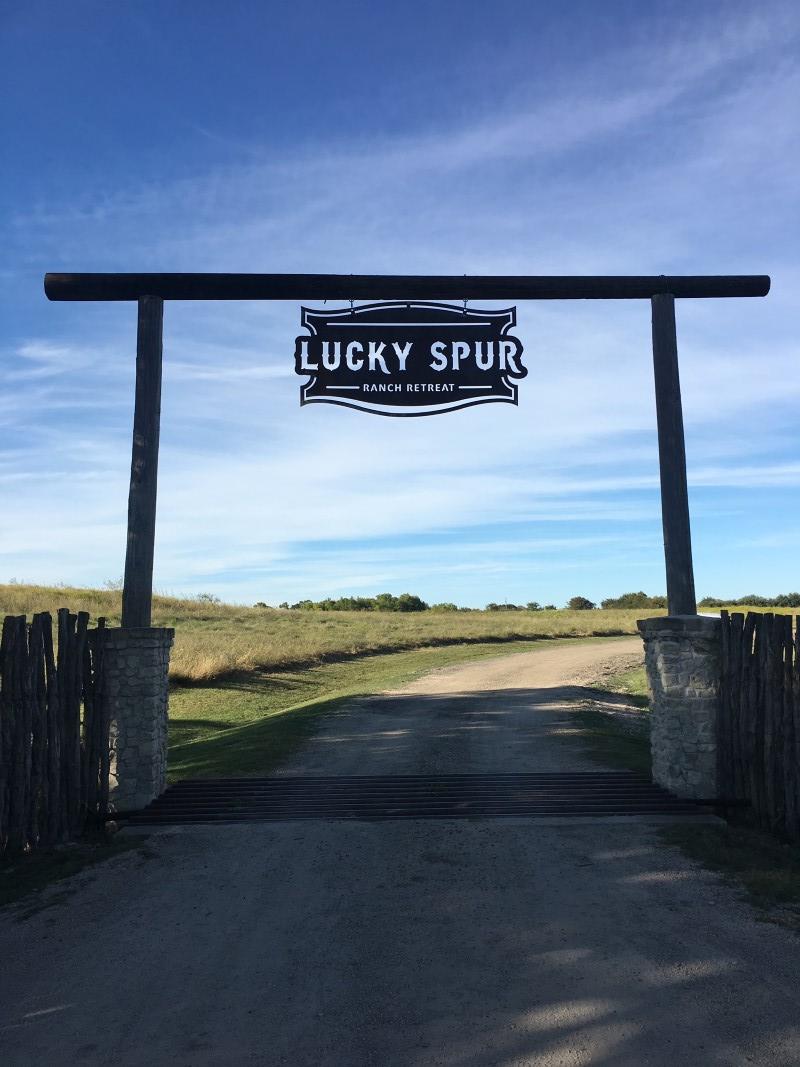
(151, 290)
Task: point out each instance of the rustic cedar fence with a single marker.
(758, 740)
(54, 757)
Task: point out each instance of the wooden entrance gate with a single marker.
(151, 290)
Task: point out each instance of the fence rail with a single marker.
(54, 729)
(758, 737)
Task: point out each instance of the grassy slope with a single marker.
(632, 684)
(214, 640)
(609, 741)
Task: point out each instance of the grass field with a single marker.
(213, 641)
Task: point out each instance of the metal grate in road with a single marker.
(423, 796)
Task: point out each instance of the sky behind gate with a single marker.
(414, 137)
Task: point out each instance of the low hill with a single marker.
(214, 639)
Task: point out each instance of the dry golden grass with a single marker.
(214, 640)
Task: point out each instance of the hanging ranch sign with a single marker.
(409, 358)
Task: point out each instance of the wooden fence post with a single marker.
(137, 593)
(736, 639)
(54, 822)
(789, 769)
(793, 755)
(6, 724)
(672, 460)
(37, 807)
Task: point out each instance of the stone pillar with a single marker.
(135, 683)
(683, 660)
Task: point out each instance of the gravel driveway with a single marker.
(403, 944)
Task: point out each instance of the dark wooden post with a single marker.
(672, 460)
(137, 594)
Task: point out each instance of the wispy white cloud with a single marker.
(199, 372)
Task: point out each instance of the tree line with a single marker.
(411, 602)
(381, 602)
(753, 600)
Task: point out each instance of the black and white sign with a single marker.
(408, 358)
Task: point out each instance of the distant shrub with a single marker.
(409, 602)
(787, 600)
(549, 607)
(404, 602)
(445, 606)
(260, 604)
(580, 603)
(504, 607)
(208, 598)
(634, 600)
(753, 600)
(534, 605)
(381, 602)
(346, 603)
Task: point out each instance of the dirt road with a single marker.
(494, 715)
(409, 944)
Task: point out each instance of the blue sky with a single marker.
(530, 138)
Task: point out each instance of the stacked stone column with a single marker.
(135, 685)
(683, 660)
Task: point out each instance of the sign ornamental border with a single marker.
(408, 358)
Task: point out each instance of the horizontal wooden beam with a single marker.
(394, 287)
